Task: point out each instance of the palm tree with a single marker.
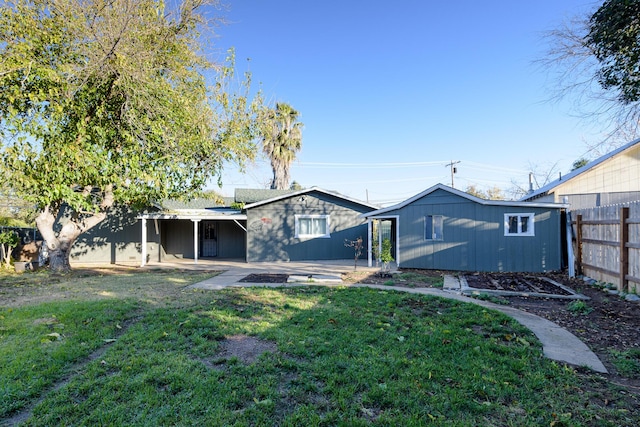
(281, 140)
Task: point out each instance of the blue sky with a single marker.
(390, 92)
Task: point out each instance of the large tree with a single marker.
(281, 140)
(106, 102)
(597, 59)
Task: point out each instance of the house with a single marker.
(261, 225)
(310, 224)
(611, 179)
(446, 229)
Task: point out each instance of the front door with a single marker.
(209, 239)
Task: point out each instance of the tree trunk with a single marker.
(59, 245)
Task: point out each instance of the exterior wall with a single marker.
(621, 173)
(117, 239)
(587, 201)
(232, 240)
(271, 229)
(473, 237)
(177, 239)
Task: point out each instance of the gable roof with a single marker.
(546, 189)
(253, 195)
(307, 191)
(467, 196)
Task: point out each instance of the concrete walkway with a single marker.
(557, 343)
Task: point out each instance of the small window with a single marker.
(312, 226)
(518, 224)
(434, 225)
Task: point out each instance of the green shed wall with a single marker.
(473, 237)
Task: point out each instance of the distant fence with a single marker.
(607, 244)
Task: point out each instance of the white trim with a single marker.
(397, 255)
(313, 236)
(530, 224)
(307, 191)
(143, 262)
(195, 240)
(515, 204)
(433, 228)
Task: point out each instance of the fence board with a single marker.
(606, 250)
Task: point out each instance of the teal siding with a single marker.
(271, 229)
(231, 240)
(473, 237)
(117, 239)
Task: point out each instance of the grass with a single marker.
(627, 362)
(339, 356)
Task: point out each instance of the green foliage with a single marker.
(9, 240)
(613, 38)
(579, 307)
(579, 163)
(112, 98)
(385, 252)
(493, 193)
(281, 139)
(6, 221)
(105, 103)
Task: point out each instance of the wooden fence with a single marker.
(607, 244)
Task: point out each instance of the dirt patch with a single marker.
(245, 348)
(265, 278)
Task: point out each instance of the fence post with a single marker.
(579, 244)
(624, 250)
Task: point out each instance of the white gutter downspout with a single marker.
(195, 240)
(144, 242)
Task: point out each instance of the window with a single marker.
(312, 226)
(518, 224)
(433, 227)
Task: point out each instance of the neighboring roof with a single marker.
(544, 190)
(306, 191)
(468, 196)
(253, 195)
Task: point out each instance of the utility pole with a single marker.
(453, 170)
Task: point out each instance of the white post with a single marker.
(369, 238)
(144, 242)
(195, 240)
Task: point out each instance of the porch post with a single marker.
(144, 242)
(369, 234)
(195, 240)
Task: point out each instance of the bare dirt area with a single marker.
(513, 282)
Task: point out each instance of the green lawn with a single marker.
(334, 356)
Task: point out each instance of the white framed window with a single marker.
(433, 227)
(519, 224)
(312, 226)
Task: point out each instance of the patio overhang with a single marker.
(193, 215)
